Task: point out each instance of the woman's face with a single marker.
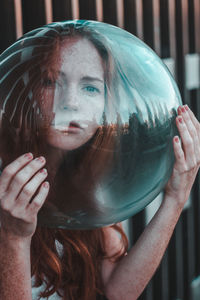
(75, 98)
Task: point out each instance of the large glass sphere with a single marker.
(100, 106)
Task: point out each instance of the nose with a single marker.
(70, 100)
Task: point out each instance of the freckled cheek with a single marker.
(46, 100)
(95, 110)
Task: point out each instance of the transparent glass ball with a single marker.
(100, 106)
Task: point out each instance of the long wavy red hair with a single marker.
(76, 272)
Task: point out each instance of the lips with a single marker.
(74, 125)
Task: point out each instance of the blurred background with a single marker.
(172, 29)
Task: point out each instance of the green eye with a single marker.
(91, 89)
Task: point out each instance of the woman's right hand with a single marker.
(19, 183)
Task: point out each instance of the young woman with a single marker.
(77, 264)
(69, 80)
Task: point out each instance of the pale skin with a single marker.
(76, 94)
(124, 280)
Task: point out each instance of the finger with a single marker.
(10, 170)
(192, 131)
(23, 176)
(188, 114)
(187, 142)
(179, 154)
(29, 189)
(194, 120)
(39, 199)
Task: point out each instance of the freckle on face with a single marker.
(83, 76)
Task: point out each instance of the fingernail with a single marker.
(180, 119)
(28, 155)
(44, 171)
(186, 107)
(183, 109)
(45, 184)
(40, 159)
(179, 108)
(177, 139)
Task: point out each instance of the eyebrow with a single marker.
(89, 78)
(85, 78)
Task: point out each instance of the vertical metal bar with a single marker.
(188, 216)
(191, 26)
(165, 277)
(157, 284)
(179, 259)
(172, 34)
(181, 45)
(196, 96)
(137, 224)
(139, 19)
(120, 13)
(185, 36)
(175, 266)
(18, 18)
(197, 24)
(185, 26)
(156, 26)
(172, 267)
(99, 10)
(148, 292)
(190, 255)
(197, 219)
(48, 11)
(75, 9)
(197, 50)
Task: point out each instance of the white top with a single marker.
(36, 291)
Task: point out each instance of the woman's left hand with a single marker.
(187, 156)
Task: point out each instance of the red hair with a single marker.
(76, 273)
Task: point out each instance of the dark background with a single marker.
(172, 29)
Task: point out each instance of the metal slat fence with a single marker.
(172, 29)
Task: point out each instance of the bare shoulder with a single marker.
(113, 244)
